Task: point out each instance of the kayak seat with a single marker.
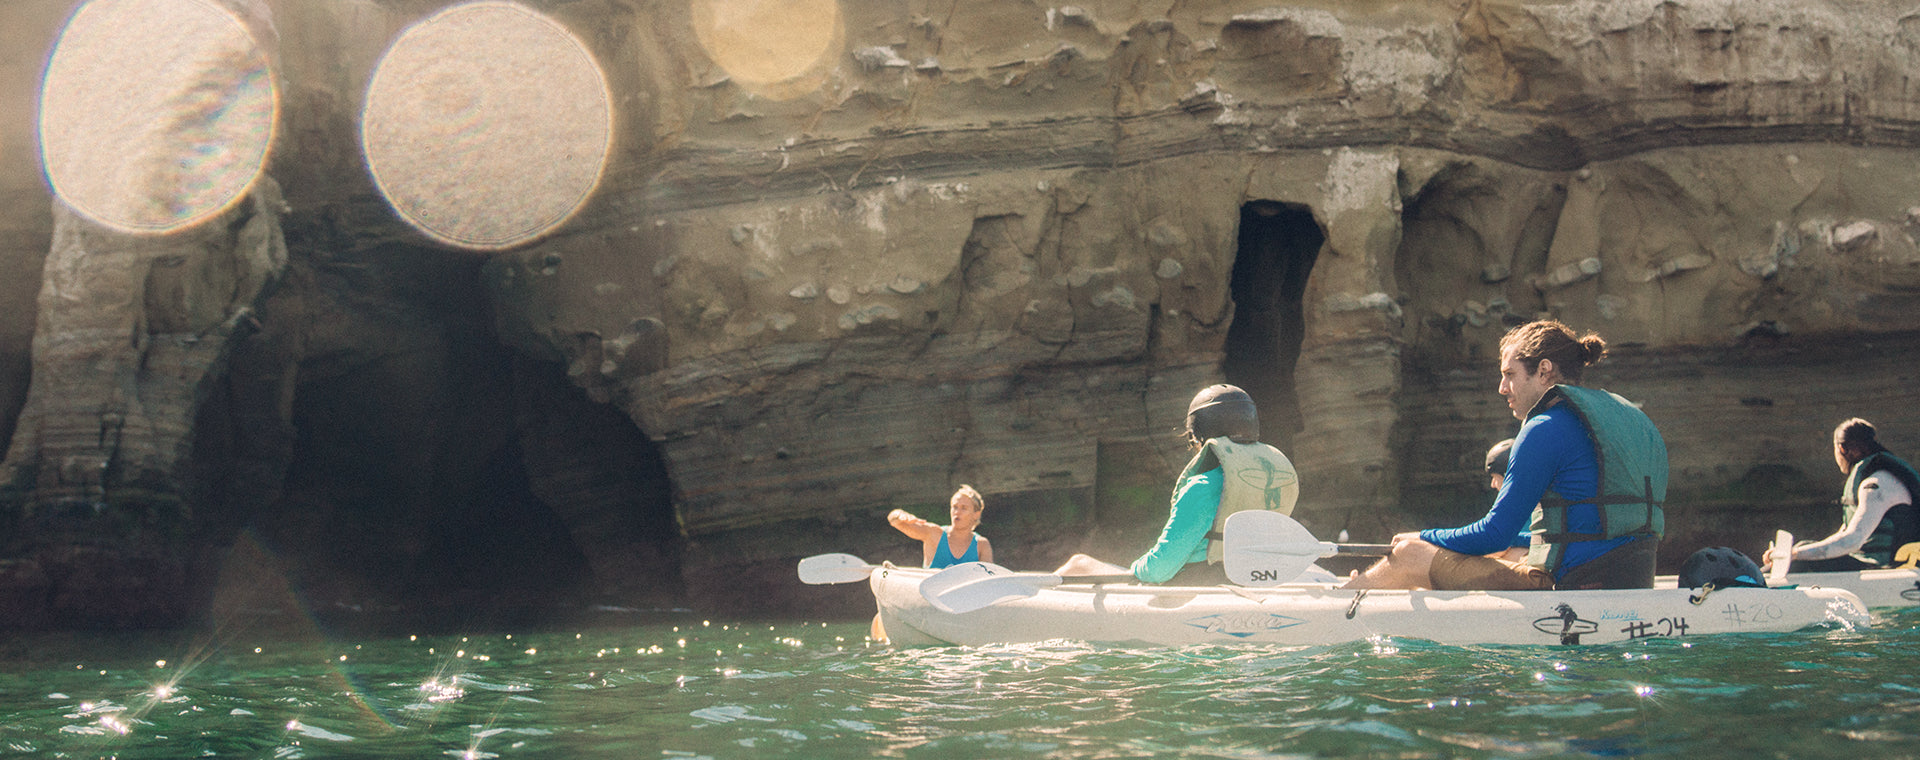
(1629, 565)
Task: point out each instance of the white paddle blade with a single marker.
(959, 575)
(969, 586)
(1314, 549)
(833, 568)
(1781, 555)
(1254, 553)
(987, 592)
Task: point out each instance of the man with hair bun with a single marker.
(1879, 516)
(1588, 466)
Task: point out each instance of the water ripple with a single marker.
(813, 690)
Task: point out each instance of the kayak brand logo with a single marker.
(1243, 624)
(1566, 624)
(1912, 594)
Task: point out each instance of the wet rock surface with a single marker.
(896, 251)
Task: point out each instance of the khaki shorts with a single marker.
(1453, 571)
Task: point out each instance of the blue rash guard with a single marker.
(1184, 539)
(1552, 453)
(943, 554)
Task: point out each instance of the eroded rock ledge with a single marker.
(995, 244)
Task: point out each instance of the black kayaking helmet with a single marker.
(1219, 410)
(1498, 456)
(1722, 567)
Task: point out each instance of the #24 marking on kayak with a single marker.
(1674, 626)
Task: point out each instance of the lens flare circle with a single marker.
(775, 48)
(487, 125)
(155, 114)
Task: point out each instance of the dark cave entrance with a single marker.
(1278, 244)
(431, 475)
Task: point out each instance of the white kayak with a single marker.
(1312, 614)
(1878, 589)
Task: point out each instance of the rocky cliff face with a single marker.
(841, 257)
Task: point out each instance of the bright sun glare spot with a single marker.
(154, 114)
(487, 125)
(778, 49)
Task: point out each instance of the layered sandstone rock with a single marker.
(845, 260)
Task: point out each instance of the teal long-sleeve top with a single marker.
(1195, 503)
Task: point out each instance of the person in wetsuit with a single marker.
(1498, 457)
(1878, 514)
(1589, 467)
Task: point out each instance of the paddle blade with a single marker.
(1781, 555)
(983, 593)
(958, 575)
(833, 568)
(969, 586)
(1266, 548)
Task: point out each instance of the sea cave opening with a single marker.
(1278, 244)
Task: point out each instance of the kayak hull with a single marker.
(1890, 588)
(1314, 614)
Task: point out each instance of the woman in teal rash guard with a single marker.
(1231, 471)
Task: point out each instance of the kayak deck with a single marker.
(1878, 589)
(1313, 614)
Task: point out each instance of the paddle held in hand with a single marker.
(1781, 555)
(834, 568)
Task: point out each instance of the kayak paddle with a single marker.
(1781, 555)
(969, 586)
(1258, 543)
(1266, 548)
(834, 568)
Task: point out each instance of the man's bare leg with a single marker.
(1409, 565)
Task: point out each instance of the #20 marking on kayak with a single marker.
(1752, 613)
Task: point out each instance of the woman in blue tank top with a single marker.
(952, 545)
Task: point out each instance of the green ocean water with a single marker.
(688, 688)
